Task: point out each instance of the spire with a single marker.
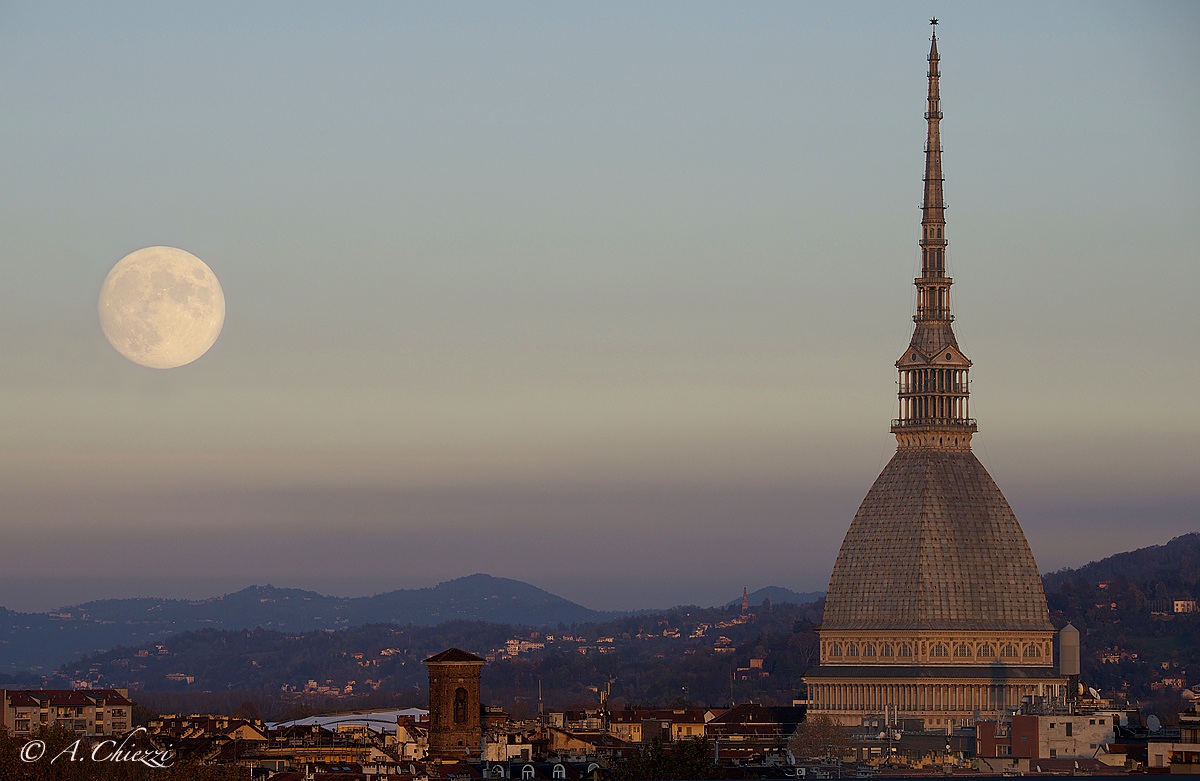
(933, 207)
(933, 370)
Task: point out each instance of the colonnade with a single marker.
(917, 698)
(941, 394)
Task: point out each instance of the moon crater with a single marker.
(161, 307)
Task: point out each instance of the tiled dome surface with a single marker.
(934, 545)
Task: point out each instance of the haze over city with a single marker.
(602, 298)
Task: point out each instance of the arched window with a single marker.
(835, 649)
(905, 650)
(560, 771)
(851, 649)
(527, 772)
(886, 650)
(1008, 651)
(460, 705)
(1032, 652)
(962, 651)
(987, 651)
(497, 771)
(938, 651)
(869, 649)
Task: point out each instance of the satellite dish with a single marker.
(1153, 724)
(1095, 694)
(1081, 689)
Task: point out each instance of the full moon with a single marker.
(161, 307)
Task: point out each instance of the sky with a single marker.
(603, 297)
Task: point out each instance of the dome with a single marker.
(934, 545)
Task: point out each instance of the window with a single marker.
(835, 649)
(987, 650)
(869, 649)
(1008, 650)
(905, 650)
(886, 650)
(851, 650)
(560, 771)
(962, 650)
(527, 772)
(938, 651)
(460, 705)
(1032, 652)
(1069, 725)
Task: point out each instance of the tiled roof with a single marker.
(749, 712)
(454, 655)
(935, 545)
(677, 715)
(66, 697)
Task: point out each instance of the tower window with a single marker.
(1032, 652)
(835, 649)
(886, 650)
(905, 650)
(868, 649)
(939, 650)
(962, 650)
(460, 705)
(1008, 651)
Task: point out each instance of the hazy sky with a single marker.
(604, 297)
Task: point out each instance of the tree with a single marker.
(819, 737)
(691, 758)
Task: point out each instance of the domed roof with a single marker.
(934, 545)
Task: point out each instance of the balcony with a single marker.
(918, 424)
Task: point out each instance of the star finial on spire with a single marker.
(933, 21)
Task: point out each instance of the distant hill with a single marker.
(777, 595)
(648, 659)
(1172, 569)
(40, 641)
(1131, 638)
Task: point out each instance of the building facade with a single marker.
(935, 608)
(86, 712)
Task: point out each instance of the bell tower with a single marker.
(455, 711)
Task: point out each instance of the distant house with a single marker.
(639, 725)
(208, 726)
